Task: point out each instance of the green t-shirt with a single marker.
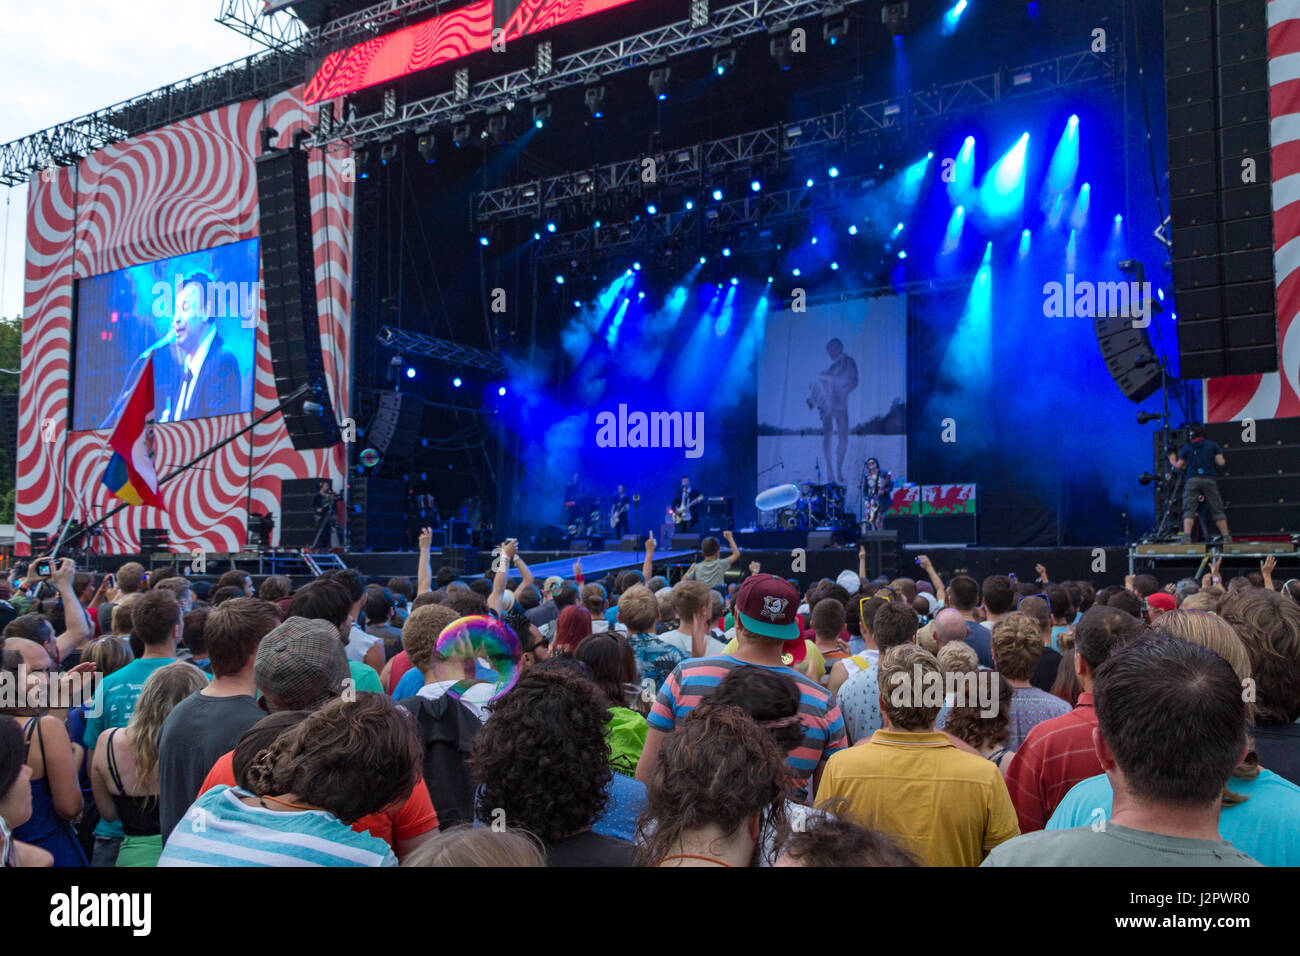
(1114, 846)
(625, 733)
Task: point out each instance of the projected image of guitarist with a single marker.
(683, 509)
(829, 394)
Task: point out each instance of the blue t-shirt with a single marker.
(1267, 826)
(1199, 454)
(625, 806)
(980, 638)
(413, 680)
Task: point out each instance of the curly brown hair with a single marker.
(718, 767)
(542, 758)
(351, 758)
(970, 724)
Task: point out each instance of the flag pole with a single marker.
(301, 392)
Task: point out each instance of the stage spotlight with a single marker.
(550, 227)
(387, 151)
(724, 61)
(833, 172)
(894, 17)
(484, 241)
(808, 182)
(951, 18)
(659, 82)
(717, 195)
(651, 209)
(496, 129)
(559, 280)
(726, 252)
(594, 97)
(755, 186)
(456, 382)
(703, 260)
(1119, 218)
(636, 266)
(541, 113)
(897, 230)
(902, 253)
(836, 27)
(853, 230)
(835, 267)
(410, 372)
(690, 204)
(501, 391)
(363, 163)
(461, 135)
(426, 145)
(735, 281)
(796, 272)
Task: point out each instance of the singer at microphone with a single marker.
(204, 378)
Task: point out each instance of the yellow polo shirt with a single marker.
(948, 807)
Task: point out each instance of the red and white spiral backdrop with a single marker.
(177, 190)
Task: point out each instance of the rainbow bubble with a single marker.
(370, 458)
(469, 638)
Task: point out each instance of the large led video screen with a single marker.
(195, 314)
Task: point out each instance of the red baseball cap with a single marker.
(768, 605)
(1162, 601)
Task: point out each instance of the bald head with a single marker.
(949, 625)
(34, 656)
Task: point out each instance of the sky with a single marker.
(60, 59)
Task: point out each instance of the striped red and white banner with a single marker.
(1276, 394)
(181, 189)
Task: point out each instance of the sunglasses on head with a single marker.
(1028, 596)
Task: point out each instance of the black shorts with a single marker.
(1197, 487)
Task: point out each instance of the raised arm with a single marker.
(648, 566)
(423, 572)
(735, 548)
(525, 575)
(862, 562)
(500, 565)
(74, 615)
(935, 580)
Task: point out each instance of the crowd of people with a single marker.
(732, 718)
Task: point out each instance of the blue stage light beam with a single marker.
(1065, 162)
(961, 179)
(953, 17)
(1002, 191)
(723, 322)
(1025, 239)
(972, 343)
(616, 323)
(1079, 218)
(952, 235)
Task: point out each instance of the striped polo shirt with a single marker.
(221, 830)
(696, 679)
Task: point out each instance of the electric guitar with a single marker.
(681, 515)
(617, 512)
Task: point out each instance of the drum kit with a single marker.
(818, 506)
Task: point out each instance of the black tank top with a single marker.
(138, 815)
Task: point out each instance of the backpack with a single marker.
(447, 732)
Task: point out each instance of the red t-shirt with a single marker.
(397, 667)
(414, 817)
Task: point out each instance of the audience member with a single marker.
(1017, 648)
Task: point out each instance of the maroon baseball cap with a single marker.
(1162, 601)
(767, 605)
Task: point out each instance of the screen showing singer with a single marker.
(196, 315)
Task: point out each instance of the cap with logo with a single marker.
(767, 605)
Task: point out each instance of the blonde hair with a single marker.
(466, 845)
(107, 654)
(165, 688)
(1017, 646)
(1200, 601)
(638, 609)
(958, 657)
(900, 666)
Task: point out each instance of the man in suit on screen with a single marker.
(207, 375)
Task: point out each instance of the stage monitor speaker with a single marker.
(820, 540)
(1221, 219)
(1128, 355)
(298, 521)
(377, 514)
(632, 542)
(719, 507)
(396, 424)
(289, 289)
(685, 542)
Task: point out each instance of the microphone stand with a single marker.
(301, 392)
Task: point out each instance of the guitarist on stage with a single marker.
(618, 513)
(684, 508)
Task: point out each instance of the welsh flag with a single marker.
(130, 474)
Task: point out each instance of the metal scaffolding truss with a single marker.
(254, 77)
(690, 165)
(277, 29)
(416, 343)
(645, 49)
